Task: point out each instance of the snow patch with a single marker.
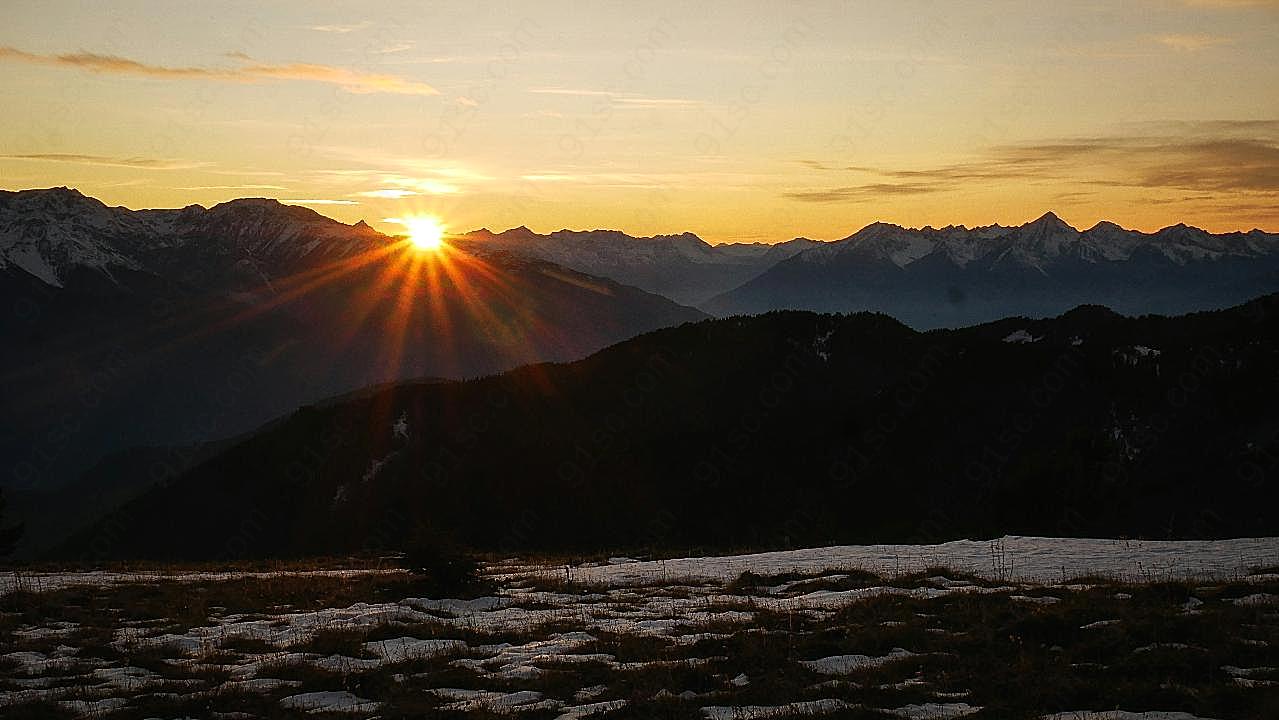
(846, 664)
(934, 711)
(754, 712)
(1120, 715)
(328, 702)
(1021, 337)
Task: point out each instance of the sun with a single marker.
(425, 232)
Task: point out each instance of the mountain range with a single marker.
(139, 346)
(955, 276)
(927, 277)
(683, 267)
(788, 428)
(128, 328)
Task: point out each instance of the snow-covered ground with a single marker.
(1016, 558)
(688, 636)
(49, 581)
(1013, 558)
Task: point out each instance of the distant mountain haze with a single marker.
(683, 267)
(124, 328)
(956, 276)
(927, 277)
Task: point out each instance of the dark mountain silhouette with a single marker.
(955, 276)
(789, 428)
(127, 328)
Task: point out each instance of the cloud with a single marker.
(1200, 163)
(342, 29)
(386, 171)
(863, 193)
(234, 187)
(570, 91)
(1193, 43)
(249, 70)
(631, 99)
(1232, 3)
(387, 193)
(419, 185)
(595, 179)
(249, 173)
(1223, 157)
(128, 162)
(318, 202)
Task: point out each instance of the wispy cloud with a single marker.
(233, 187)
(570, 91)
(632, 99)
(249, 173)
(387, 193)
(1192, 42)
(1224, 157)
(1231, 3)
(340, 28)
(320, 201)
(865, 192)
(127, 162)
(385, 173)
(249, 70)
(639, 180)
(418, 185)
(392, 49)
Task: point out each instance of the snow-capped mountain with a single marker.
(682, 267)
(1041, 243)
(48, 232)
(932, 277)
(52, 233)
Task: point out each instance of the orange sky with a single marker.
(748, 121)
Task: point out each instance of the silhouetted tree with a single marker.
(445, 563)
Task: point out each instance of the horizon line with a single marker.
(308, 203)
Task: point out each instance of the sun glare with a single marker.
(425, 232)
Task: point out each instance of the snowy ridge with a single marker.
(45, 232)
(1041, 243)
(48, 233)
(585, 247)
(682, 267)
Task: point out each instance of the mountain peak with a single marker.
(881, 225)
(521, 232)
(61, 190)
(688, 235)
(1105, 226)
(1182, 231)
(62, 194)
(249, 202)
(1050, 220)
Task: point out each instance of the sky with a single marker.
(745, 121)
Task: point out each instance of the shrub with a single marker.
(448, 567)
